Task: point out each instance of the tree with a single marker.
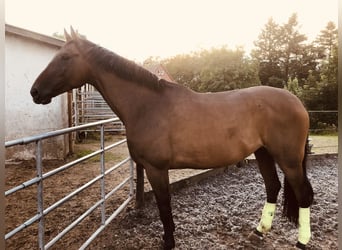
(320, 90)
(325, 96)
(329, 89)
(327, 40)
(308, 66)
(292, 49)
(213, 70)
(281, 53)
(327, 43)
(293, 87)
(183, 69)
(267, 54)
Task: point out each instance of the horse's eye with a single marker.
(65, 57)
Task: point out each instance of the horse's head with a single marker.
(66, 71)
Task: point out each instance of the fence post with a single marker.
(70, 135)
(41, 226)
(103, 191)
(131, 173)
(140, 186)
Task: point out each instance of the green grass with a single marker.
(323, 144)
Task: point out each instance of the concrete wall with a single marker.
(25, 58)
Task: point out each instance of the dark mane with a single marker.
(121, 66)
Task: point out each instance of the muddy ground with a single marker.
(216, 213)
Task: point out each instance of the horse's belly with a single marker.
(211, 156)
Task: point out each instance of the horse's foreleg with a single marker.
(159, 180)
(272, 184)
(266, 220)
(140, 199)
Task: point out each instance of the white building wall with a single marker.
(24, 61)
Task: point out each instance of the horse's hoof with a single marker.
(300, 246)
(166, 247)
(168, 243)
(255, 236)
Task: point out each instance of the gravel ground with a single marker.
(220, 212)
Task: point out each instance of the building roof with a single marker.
(160, 71)
(49, 40)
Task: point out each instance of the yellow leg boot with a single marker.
(304, 229)
(265, 223)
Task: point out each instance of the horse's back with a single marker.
(250, 106)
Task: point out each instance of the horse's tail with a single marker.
(290, 203)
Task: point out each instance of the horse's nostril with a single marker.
(34, 92)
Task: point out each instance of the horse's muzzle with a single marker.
(37, 98)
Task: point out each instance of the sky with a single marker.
(138, 29)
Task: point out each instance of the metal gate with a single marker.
(41, 176)
(89, 106)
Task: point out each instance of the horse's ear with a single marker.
(67, 36)
(73, 33)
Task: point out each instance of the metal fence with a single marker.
(323, 131)
(89, 106)
(323, 121)
(39, 179)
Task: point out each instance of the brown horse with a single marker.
(169, 127)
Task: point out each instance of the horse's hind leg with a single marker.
(159, 180)
(272, 184)
(298, 197)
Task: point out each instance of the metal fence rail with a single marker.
(39, 217)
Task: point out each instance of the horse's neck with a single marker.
(125, 98)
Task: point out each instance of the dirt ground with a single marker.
(22, 205)
(217, 213)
